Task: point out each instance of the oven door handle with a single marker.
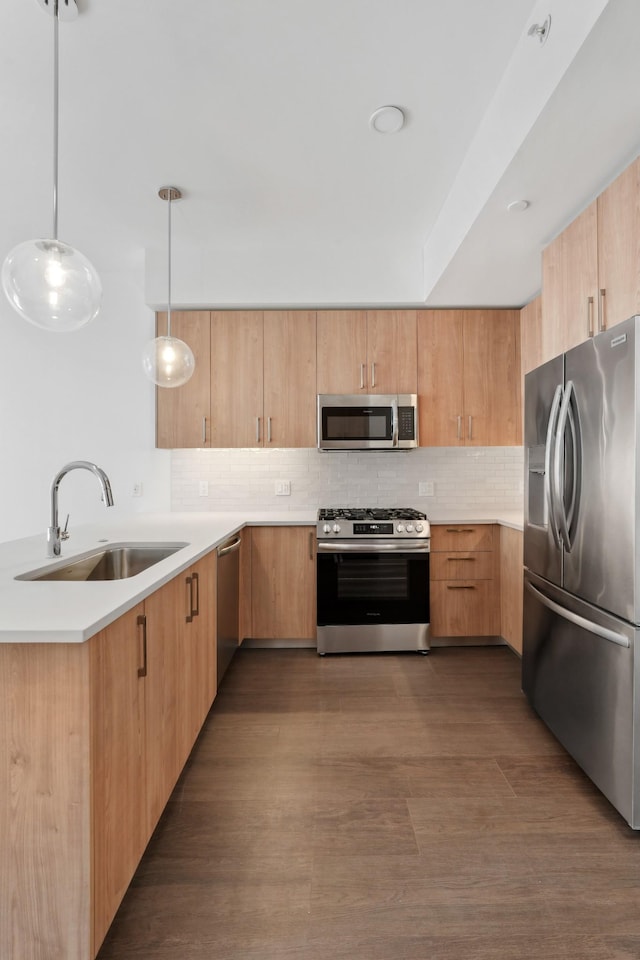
(337, 546)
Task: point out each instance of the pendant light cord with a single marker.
(55, 119)
(169, 270)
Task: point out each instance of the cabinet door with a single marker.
(283, 582)
(491, 377)
(619, 248)
(199, 654)
(182, 413)
(462, 536)
(570, 285)
(289, 378)
(465, 608)
(440, 378)
(391, 351)
(164, 693)
(237, 344)
(342, 351)
(117, 776)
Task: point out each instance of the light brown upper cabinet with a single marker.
(289, 376)
(367, 351)
(591, 271)
(469, 378)
(237, 349)
(182, 412)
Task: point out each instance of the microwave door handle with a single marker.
(549, 488)
(395, 428)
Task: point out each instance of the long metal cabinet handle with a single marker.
(461, 559)
(373, 373)
(204, 430)
(470, 430)
(268, 429)
(459, 434)
(142, 622)
(229, 547)
(311, 539)
(189, 583)
(362, 369)
(195, 580)
(549, 487)
(257, 429)
(461, 529)
(462, 586)
(589, 316)
(579, 621)
(602, 319)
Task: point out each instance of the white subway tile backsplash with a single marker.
(478, 478)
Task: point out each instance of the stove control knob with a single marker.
(400, 528)
(409, 528)
(419, 528)
(326, 528)
(336, 528)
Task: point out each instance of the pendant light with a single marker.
(167, 361)
(47, 281)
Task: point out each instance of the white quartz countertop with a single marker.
(71, 612)
(506, 518)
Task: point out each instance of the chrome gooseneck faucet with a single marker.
(54, 534)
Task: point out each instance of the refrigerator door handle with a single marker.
(565, 419)
(579, 621)
(549, 489)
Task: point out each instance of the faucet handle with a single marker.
(64, 534)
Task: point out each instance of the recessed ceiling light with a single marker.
(517, 206)
(387, 120)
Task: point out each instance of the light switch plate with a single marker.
(203, 488)
(283, 488)
(426, 488)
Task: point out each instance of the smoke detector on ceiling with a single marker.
(387, 120)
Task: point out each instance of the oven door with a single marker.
(367, 583)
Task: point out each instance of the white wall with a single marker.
(75, 396)
(485, 479)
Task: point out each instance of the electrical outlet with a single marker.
(426, 488)
(283, 488)
(203, 488)
(136, 490)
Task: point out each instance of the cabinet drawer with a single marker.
(464, 608)
(462, 536)
(463, 566)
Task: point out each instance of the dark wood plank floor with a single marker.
(387, 807)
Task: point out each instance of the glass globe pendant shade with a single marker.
(51, 285)
(168, 362)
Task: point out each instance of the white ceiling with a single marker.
(258, 110)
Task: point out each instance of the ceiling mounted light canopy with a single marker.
(167, 361)
(47, 281)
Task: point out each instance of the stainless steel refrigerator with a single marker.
(580, 664)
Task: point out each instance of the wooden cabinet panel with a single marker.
(237, 347)
(342, 351)
(244, 627)
(531, 337)
(463, 566)
(619, 247)
(511, 586)
(289, 378)
(465, 608)
(570, 285)
(182, 412)
(119, 820)
(448, 537)
(391, 351)
(491, 377)
(440, 378)
(283, 585)
(199, 653)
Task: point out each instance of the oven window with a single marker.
(373, 587)
(357, 423)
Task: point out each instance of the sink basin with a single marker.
(115, 561)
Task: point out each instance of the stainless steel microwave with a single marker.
(367, 422)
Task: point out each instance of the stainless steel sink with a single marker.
(115, 561)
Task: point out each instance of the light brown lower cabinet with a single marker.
(283, 583)
(511, 586)
(465, 595)
(93, 737)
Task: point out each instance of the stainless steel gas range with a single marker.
(373, 580)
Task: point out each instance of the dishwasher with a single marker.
(228, 604)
